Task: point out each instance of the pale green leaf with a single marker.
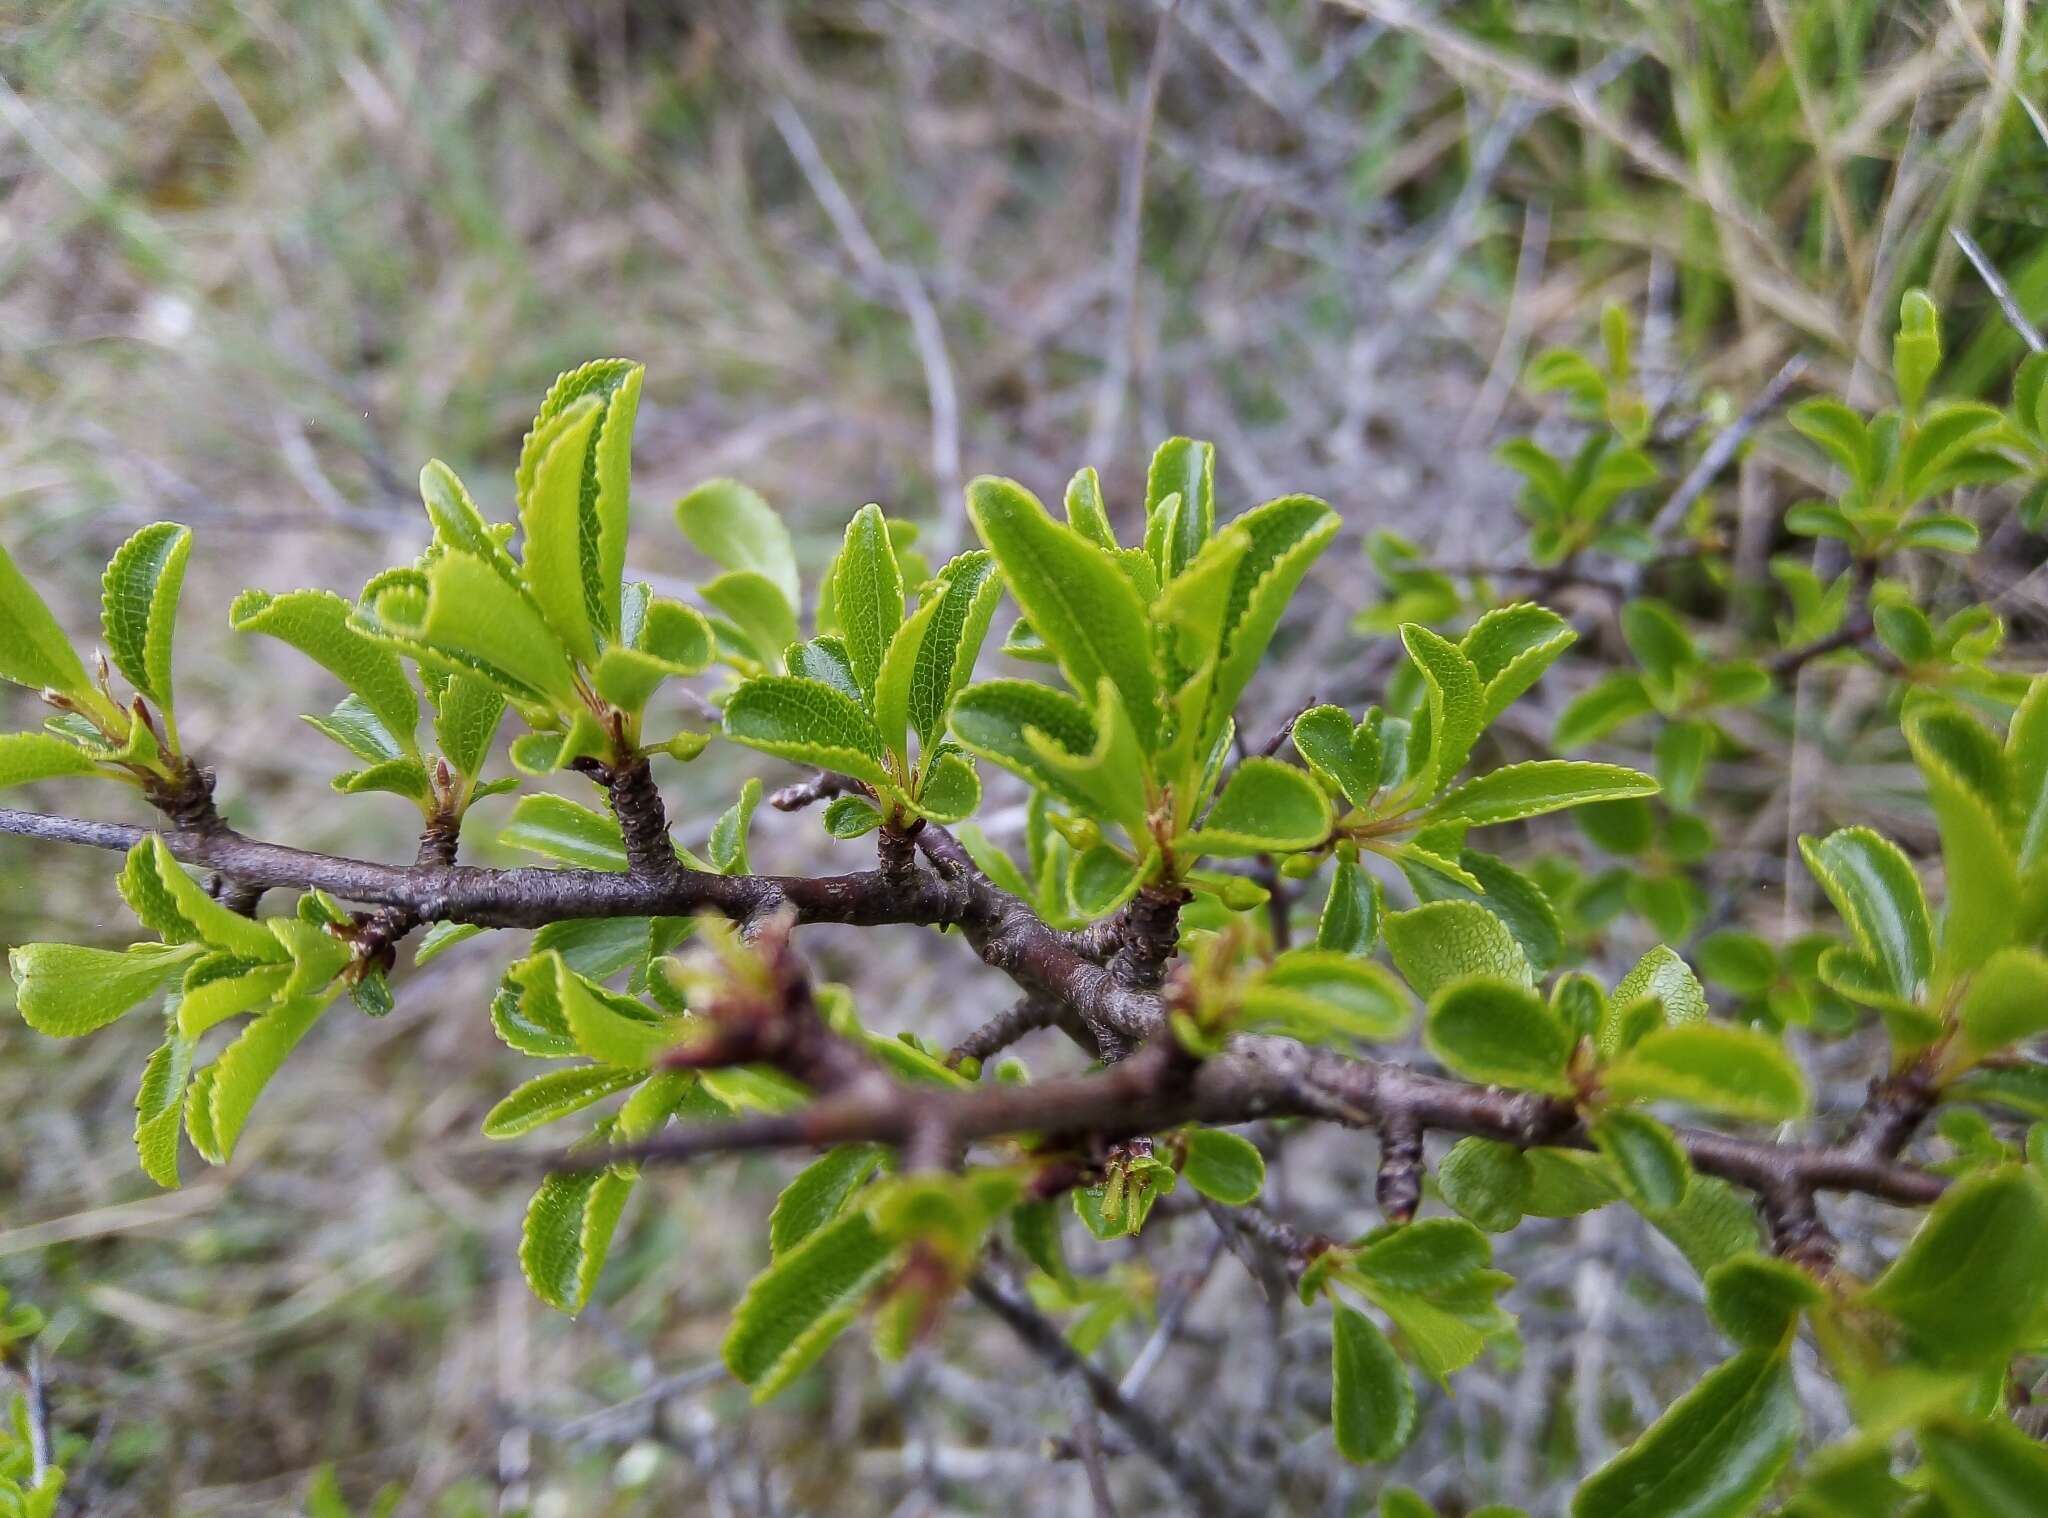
(1372, 1400)
(1444, 941)
(27, 757)
(555, 1095)
(1267, 807)
(802, 1302)
(867, 594)
(66, 990)
(227, 1089)
(808, 722)
(567, 1233)
(1287, 535)
(316, 623)
(1456, 705)
(952, 640)
(1326, 996)
(33, 649)
(1741, 1072)
(561, 830)
(1713, 1454)
(1500, 1032)
(819, 1193)
(551, 512)
(139, 605)
(1542, 785)
(753, 607)
(2006, 1002)
(735, 528)
(1077, 598)
(160, 1109)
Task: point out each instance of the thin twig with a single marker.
(2000, 290)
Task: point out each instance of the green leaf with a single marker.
(1509, 895)
(2026, 755)
(33, 649)
(1756, 1299)
(172, 905)
(1343, 755)
(1055, 743)
(1456, 705)
(66, 990)
(612, 1029)
(728, 842)
(1372, 1400)
(1654, 1171)
(1267, 807)
(1739, 960)
(27, 757)
(733, 527)
(1323, 996)
(473, 622)
(757, 615)
(1500, 1032)
(139, 605)
(1444, 941)
(819, 1193)
(220, 987)
(1916, 348)
(1985, 1468)
(558, 828)
(1713, 1454)
(1511, 647)
(160, 1109)
(551, 512)
(808, 722)
(1662, 974)
(949, 790)
(1979, 917)
(316, 623)
(1873, 886)
(1076, 597)
(2007, 1001)
(1542, 785)
(1660, 643)
(598, 468)
(225, 1092)
(1486, 1181)
(1186, 468)
(803, 1301)
(851, 817)
(1400, 1502)
(867, 594)
(466, 716)
(970, 588)
(1969, 1285)
(1839, 431)
(555, 1095)
(1599, 710)
(1286, 536)
(567, 1232)
(1432, 1255)
(1350, 920)
(1224, 1167)
(1737, 1071)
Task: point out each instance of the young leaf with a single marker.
(1267, 807)
(1985, 1467)
(160, 1109)
(1286, 537)
(1456, 704)
(1969, 1284)
(1224, 1167)
(559, 829)
(1873, 886)
(1077, 598)
(1487, 1182)
(600, 469)
(1511, 647)
(1654, 1171)
(1713, 1454)
(172, 905)
(1350, 920)
(728, 842)
(316, 623)
(818, 1194)
(1324, 996)
(755, 618)
(1542, 785)
(1978, 866)
(732, 526)
(803, 1301)
(2007, 1001)
(1499, 1032)
(225, 1092)
(139, 605)
(1432, 1255)
(567, 1232)
(867, 594)
(1737, 1071)
(555, 1095)
(476, 623)
(612, 1029)
(1185, 468)
(1508, 894)
(27, 757)
(952, 640)
(66, 990)
(1444, 941)
(1662, 974)
(551, 512)
(1599, 710)
(1756, 1298)
(1372, 1400)
(1055, 743)
(33, 649)
(807, 722)
(1338, 752)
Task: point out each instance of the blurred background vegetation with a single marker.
(259, 259)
